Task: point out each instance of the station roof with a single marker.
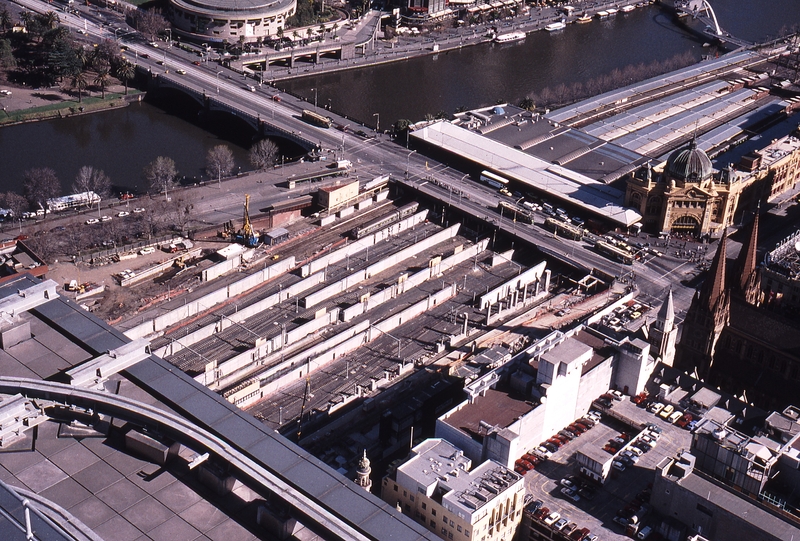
(559, 182)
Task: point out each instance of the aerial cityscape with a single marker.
(404, 270)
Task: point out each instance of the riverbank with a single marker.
(32, 105)
(434, 42)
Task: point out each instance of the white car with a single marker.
(92, 221)
(552, 518)
(123, 214)
(138, 210)
(147, 250)
(543, 452)
(105, 218)
(5, 92)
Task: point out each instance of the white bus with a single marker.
(495, 181)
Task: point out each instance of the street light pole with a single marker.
(378, 123)
(315, 98)
(408, 161)
(218, 80)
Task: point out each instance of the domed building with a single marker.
(687, 197)
(215, 21)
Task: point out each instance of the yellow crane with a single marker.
(247, 236)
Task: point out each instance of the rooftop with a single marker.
(495, 408)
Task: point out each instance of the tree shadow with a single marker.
(48, 97)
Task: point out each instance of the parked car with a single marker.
(123, 214)
(616, 394)
(552, 447)
(138, 210)
(666, 411)
(92, 221)
(655, 408)
(675, 417)
(552, 518)
(571, 494)
(569, 528)
(685, 420)
(566, 482)
(543, 451)
(560, 524)
(147, 250)
(586, 492)
(541, 513)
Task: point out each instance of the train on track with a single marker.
(379, 223)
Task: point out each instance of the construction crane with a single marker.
(247, 235)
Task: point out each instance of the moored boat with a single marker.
(612, 11)
(627, 9)
(553, 27)
(602, 14)
(509, 37)
(585, 18)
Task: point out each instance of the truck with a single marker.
(341, 164)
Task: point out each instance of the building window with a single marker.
(452, 524)
(412, 498)
(395, 488)
(433, 524)
(433, 512)
(424, 505)
(444, 531)
(449, 535)
(459, 529)
(705, 510)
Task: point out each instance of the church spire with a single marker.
(748, 281)
(666, 314)
(364, 470)
(714, 285)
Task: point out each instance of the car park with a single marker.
(552, 518)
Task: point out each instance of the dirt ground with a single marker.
(23, 97)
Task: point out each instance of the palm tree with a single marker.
(280, 33)
(103, 74)
(335, 28)
(126, 72)
(295, 36)
(5, 19)
(309, 33)
(50, 20)
(80, 83)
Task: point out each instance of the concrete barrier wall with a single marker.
(334, 289)
(158, 269)
(275, 365)
(534, 274)
(362, 244)
(414, 310)
(312, 326)
(405, 253)
(206, 302)
(219, 269)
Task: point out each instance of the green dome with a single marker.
(689, 164)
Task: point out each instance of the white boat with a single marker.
(553, 27)
(585, 18)
(511, 36)
(612, 11)
(628, 8)
(602, 14)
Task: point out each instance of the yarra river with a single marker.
(121, 142)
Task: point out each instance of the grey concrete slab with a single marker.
(124, 463)
(175, 528)
(230, 531)
(92, 512)
(46, 364)
(147, 514)
(74, 458)
(66, 493)
(152, 478)
(118, 529)
(41, 475)
(98, 477)
(203, 516)
(177, 497)
(15, 462)
(98, 446)
(121, 495)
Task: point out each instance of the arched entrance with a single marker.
(686, 224)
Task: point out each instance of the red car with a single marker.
(556, 442)
(685, 420)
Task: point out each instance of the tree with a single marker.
(126, 72)
(160, 173)
(103, 74)
(150, 23)
(5, 18)
(7, 59)
(39, 185)
(90, 179)
(219, 161)
(527, 104)
(79, 83)
(15, 203)
(263, 154)
(49, 20)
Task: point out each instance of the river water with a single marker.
(122, 142)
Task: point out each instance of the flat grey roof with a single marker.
(559, 182)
